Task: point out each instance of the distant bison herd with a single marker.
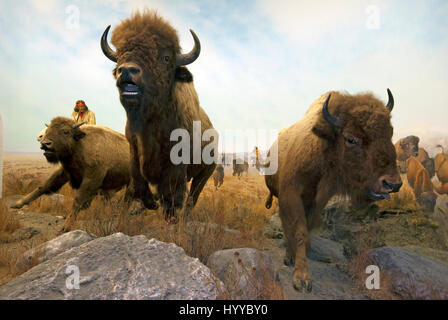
(342, 145)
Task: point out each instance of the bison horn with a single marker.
(78, 125)
(334, 121)
(108, 52)
(47, 125)
(390, 103)
(187, 58)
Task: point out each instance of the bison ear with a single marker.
(183, 75)
(78, 135)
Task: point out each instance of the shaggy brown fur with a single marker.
(146, 48)
(317, 160)
(92, 158)
(419, 180)
(441, 168)
(240, 168)
(218, 176)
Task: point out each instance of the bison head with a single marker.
(409, 147)
(60, 139)
(147, 55)
(360, 149)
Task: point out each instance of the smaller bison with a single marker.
(239, 168)
(218, 176)
(420, 181)
(426, 161)
(441, 169)
(405, 148)
(92, 159)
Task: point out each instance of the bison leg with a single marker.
(53, 184)
(197, 185)
(89, 188)
(292, 215)
(172, 190)
(138, 187)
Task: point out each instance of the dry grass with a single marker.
(8, 222)
(359, 263)
(402, 200)
(250, 284)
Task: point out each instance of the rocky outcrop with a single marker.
(116, 267)
(413, 276)
(53, 247)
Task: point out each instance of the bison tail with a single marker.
(268, 203)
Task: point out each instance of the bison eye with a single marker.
(166, 59)
(351, 141)
(66, 132)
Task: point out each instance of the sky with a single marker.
(262, 64)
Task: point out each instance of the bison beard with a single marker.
(93, 159)
(158, 95)
(341, 146)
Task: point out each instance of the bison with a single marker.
(441, 168)
(218, 176)
(156, 90)
(426, 161)
(341, 146)
(239, 168)
(405, 148)
(92, 159)
(420, 181)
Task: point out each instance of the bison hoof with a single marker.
(302, 285)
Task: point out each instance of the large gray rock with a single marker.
(413, 276)
(325, 250)
(245, 271)
(52, 248)
(116, 267)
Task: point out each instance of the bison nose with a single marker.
(395, 187)
(46, 144)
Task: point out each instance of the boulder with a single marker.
(52, 248)
(245, 271)
(116, 267)
(325, 250)
(413, 276)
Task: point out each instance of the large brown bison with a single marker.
(218, 176)
(92, 158)
(420, 181)
(441, 168)
(158, 95)
(341, 146)
(239, 168)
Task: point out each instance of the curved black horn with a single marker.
(47, 125)
(334, 121)
(78, 125)
(390, 103)
(187, 58)
(108, 52)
